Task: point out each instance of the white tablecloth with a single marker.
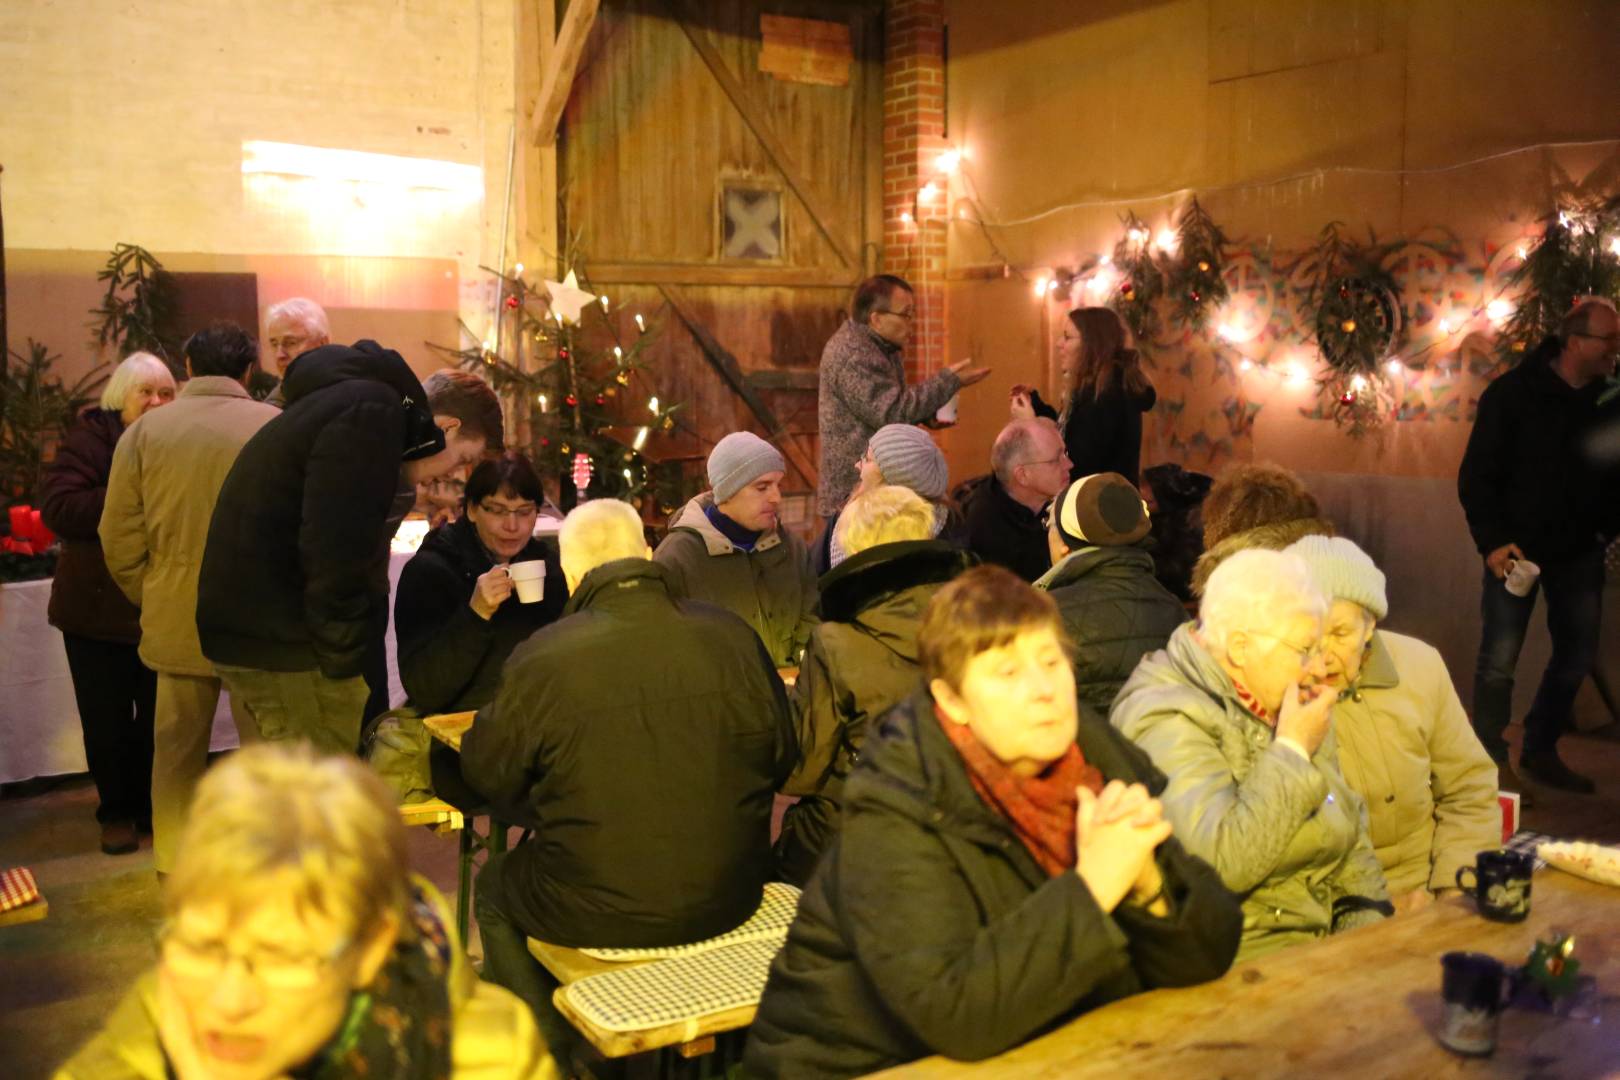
(39, 722)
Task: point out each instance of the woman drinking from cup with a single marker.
(458, 613)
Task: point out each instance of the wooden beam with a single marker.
(683, 12)
(560, 69)
(782, 277)
(731, 372)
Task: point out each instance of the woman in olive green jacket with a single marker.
(1405, 743)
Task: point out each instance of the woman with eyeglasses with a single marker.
(1234, 711)
(455, 612)
(296, 942)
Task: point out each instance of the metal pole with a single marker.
(506, 215)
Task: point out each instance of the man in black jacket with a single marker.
(1029, 467)
(1114, 609)
(295, 572)
(642, 737)
(1533, 492)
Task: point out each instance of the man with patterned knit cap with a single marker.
(1115, 610)
(728, 547)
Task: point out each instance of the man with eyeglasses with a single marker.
(1029, 468)
(863, 384)
(1534, 492)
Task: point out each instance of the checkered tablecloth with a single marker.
(679, 990)
(17, 888)
(770, 922)
(1525, 842)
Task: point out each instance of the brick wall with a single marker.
(913, 138)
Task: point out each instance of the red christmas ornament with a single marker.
(562, 354)
(570, 401)
(1195, 296)
(512, 302)
(544, 441)
(600, 400)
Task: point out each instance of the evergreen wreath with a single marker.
(1195, 280)
(1578, 255)
(1355, 311)
(1141, 282)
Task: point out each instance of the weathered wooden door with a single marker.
(734, 207)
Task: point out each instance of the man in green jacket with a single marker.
(728, 547)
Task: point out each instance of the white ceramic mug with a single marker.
(529, 579)
(1521, 577)
(947, 411)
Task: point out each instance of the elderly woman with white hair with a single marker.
(115, 693)
(296, 942)
(1405, 743)
(906, 456)
(1228, 710)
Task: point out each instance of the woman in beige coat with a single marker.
(296, 942)
(1405, 744)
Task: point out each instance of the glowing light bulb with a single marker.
(542, 400)
(489, 344)
(906, 218)
(1498, 310)
(1227, 332)
(627, 475)
(1445, 327)
(1614, 246)
(1166, 240)
(1245, 364)
(604, 300)
(652, 405)
(640, 439)
(1359, 383)
(1521, 251)
(518, 269)
(1105, 259)
(641, 324)
(1052, 286)
(1395, 366)
(1040, 286)
(1298, 374)
(928, 191)
(948, 161)
(618, 353)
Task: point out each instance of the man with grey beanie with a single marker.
(905, 456)
(727, 547)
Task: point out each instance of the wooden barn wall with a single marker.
(648, 138)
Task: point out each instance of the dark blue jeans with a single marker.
(1574, 590)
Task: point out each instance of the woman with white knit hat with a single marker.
(1405, 744)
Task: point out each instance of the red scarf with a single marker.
(1252, 703)
(1040, 808)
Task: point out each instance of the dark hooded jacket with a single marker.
(450, 658)
(1116, 612)
(861, 662)
(1528, 476)
(928, 928)
(1103, 432)
(84, 598)
(642, 737)
(296, 566)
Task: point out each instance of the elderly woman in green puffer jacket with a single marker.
(1228, 710)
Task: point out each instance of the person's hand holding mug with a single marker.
(1112, 856)
(1020, 405)
(965, 374)
(1500, 561)
(1305, 716)
(494, 586)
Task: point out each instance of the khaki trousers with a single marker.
(182, 726)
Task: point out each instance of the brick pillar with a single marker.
(913, 139)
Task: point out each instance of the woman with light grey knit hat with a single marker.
(1405, 744)
(727, 546)
(905, 456)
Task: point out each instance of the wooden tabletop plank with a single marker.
(30, 912)
(448, 728)
(1365, 1003)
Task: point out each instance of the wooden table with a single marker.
(1364, 1003)
(449, 727)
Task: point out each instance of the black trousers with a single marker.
(117, 699)
(508, 963)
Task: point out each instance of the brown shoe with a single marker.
(119, 838)
(1508, 780)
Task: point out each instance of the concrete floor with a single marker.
(60, 978)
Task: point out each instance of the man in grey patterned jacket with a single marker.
(863, 384)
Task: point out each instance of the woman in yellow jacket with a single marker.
(297, 942)
(1405, 744)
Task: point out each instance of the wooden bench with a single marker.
(15, 884)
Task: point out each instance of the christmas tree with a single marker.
(579, 394)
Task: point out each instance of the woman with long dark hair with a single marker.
(1105, 393)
